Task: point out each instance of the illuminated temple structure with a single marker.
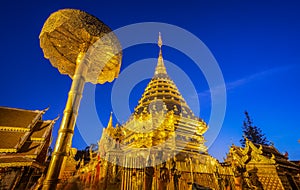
(263, 167)
(24, 141)
(161, 147)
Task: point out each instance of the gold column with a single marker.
(64, 139)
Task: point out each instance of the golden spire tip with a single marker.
(110, 121)
(159, 43)
(160, 68)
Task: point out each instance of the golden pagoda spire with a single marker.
(160, 68)
(110, 125)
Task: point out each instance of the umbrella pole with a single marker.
(66, 130)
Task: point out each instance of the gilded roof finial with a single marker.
(159, 43)
(110, 125)
(160, 68)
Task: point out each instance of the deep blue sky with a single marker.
(256, 44)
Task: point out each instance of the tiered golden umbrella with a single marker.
(81, 46)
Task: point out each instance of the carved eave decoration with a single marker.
(256, 155)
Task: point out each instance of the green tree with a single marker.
(252, 132)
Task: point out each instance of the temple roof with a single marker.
(10, 139)
(18, 118)
(269, 152)
(18, 161)
(40, 129)
(23, 136)
(161, 93)
(280, 159)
